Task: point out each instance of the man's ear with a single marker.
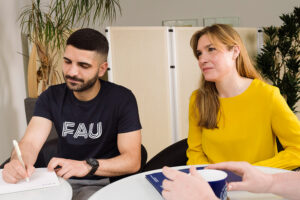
(236, 51)
(103, 69)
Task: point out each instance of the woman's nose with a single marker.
(202, 59)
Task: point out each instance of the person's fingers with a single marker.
(237, 186)
(30, 170)
(12, 172)
(63, 170)
(17, 176)
(9, 171)
(54, 162)
(167, 185)
(170, 173)
(9, 178)
(194, 172)
(68, 175)
(166, 194)
(17, 170)
(236, 167)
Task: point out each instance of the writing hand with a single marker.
(13, 171)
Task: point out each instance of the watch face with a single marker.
(92, 162)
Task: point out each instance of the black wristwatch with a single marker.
(94, 164)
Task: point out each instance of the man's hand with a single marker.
(67, 168)
(13, 171)
(183, 186)
(254, 180)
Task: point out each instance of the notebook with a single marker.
(41, 178)
(157, 178)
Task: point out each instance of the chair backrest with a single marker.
(173, 155)
(48, 151)
(29, 109)
(279, 145)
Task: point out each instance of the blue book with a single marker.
(157, 178)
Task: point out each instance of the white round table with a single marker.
(137, 187)
(63, 191)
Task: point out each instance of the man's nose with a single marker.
(73, 70)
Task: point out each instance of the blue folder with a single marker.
(157, 178)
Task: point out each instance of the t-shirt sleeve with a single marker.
(42, 106)
(128, 114)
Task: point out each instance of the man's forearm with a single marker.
(35, 136)
(119, 165)
(29, 153)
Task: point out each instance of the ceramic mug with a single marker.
(217, 181)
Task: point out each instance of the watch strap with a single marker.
(94, 164)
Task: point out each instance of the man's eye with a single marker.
(84, 66)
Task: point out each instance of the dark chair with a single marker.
(279, 146)
(48, 151)
(29, 109)
(173, 155)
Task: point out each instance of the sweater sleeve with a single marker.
(194, 152)
(286, 126)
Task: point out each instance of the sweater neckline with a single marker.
(247, 91)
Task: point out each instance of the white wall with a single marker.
(12, 84)
(254, 13)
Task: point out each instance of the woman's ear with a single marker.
(236, 51)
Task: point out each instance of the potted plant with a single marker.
(47, 27)
(279, 60)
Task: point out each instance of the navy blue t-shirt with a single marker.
(89, 129)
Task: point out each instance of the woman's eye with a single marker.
(211, 49)
(198, 54)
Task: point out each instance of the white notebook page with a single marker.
(41, 178)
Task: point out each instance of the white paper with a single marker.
(41, 178)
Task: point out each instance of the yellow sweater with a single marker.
(247, 130)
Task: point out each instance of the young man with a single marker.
(97, 121)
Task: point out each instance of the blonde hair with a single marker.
(207, 101)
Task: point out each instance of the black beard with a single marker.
(85, 86)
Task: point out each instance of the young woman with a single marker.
(234, 115)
